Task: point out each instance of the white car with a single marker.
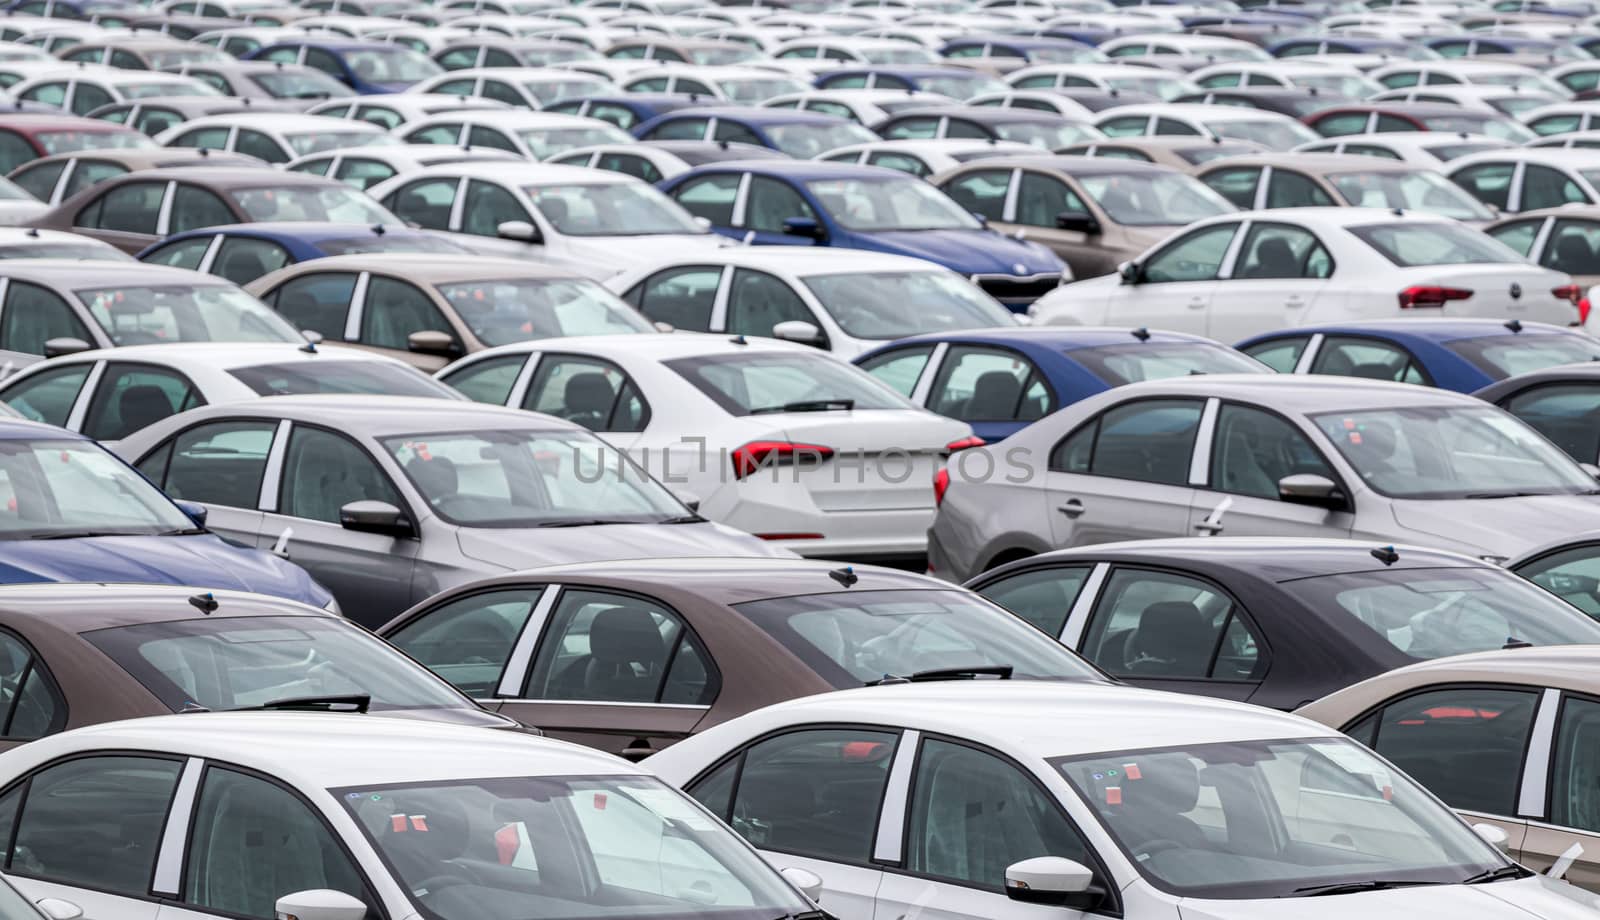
(654, 161)
(1527, 178)
(845, 301)
(991, 800)
(1242, 274)
(535, 135)
(111, 393)
(1122, 77)
(1480, 71)
(36, 243)
(1432, 149)
(338, 815)
(1327, 79)
(364, 167)
(780, 440)
(275, 137)
(395, 109)
(595, 222)
(80, 91)
(732, 83)
(520, 87)
(1478, 97)
(925, 157)
(1269, 129)
(863, 106)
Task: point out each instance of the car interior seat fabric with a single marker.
(257, 852)
(975, 827)
(139, 406)
(1574, 256)
(1172, 639)
(436, 477)
(1241, 471)
(424, 834)
(588, 398)
(624, 663)
(415, 206)
(324, 475)
(243, 265)
(994, 396)
(1273, 258)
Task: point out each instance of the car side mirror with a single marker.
(1492, 835)
(798, 330)
(1055, 881)
(65, 345)
(809, 883)
(803, 226)
(368, 516)
(704, 223)
(57, 909)
(319, 903)
(1311, 489)
(519, 230)
(1077, 221)
(431, 342)
(194, 510)
(1131, 272)
(664, 327)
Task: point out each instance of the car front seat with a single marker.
(994, 396)
(1172, 639)
(626, 655)
(139, 407)
(588, 397)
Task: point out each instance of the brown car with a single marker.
(79, 654)
(1566, 239)
(632, 656)
(1510, 737)
(1181, 152)
(132, 211)
(1318, 180)
(54, 179)
(430, 309)
(1093, 212)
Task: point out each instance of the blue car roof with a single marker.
(304, 231)
(1410, 330)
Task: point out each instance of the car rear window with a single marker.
(302, 377)
(1410, 244)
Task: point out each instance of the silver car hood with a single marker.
(1498, 526)
(1522, 899)
(530, 547)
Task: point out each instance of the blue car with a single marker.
(1001, 380)
(72, 511)
(1463, 355)
(242, 253)
(813, 203)
(369, 68)
(797, 133)
(625, 110)
(955, 82)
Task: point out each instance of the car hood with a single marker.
(970, 252)
(597, 256)
(200, 560)
(1522, 899)
(1497, 526)
(531, 547)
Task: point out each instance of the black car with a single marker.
(1562, 403)
(1569, 568)
(1295, 103)
(1274, 622)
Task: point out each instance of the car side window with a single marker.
(1349, 356)
(711, 197)
(1148, 440)
(811, 792)
(32, 315)
(318, 301)
(131, 397)
(758, 302)
(974, 814)
(982, 192)
(361, 172)
(1543, 187)
(1282, 251)
(1519, 235)
(989, 385)
(489, 205)
(242, 260)
(586, 391)
(479, 136)
(254, 841)
(446, 133)
(1173, 126)
(30, 701)
(682, 296)
(1042, 597)
(48, 395)
(1575, 774)
(468, 641)
(912, 127)
(1490, 183)
(1282, 355)
(208, 138)
(1574, 247)
(385, 117)
(1040, 198)
(1162, 625)
(620, 648)
(735, 133)
(426, 203)
(133, 207)
(323, 472)
(771, 202)
(1341, 124)
(488, 381)
(1237, 184)
(40, 181)
(14, 151)
(153, 120)
(1253, 450)
(904, 162)
(679, 129)
(194, 207)
(182, 254)
(220, 463)
(1565, 414)
(900, 368)
(627, 164)
(86, 97)
(1290, 189)
(53, 93)
(1195, 256)
(395, 309)
(1464, 744)
(94, 822)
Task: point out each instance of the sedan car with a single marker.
(242, 253)
(625, 110)
(1243, 274)
(142, 51)
(268, 84)
(518, 87)
(733, 84)
(1297, 457)
(954, 82)
(1051, 809)
(999, 381)
(794, 133)
(710, 639)
(26, 136)
(54, 179)
(1427, 149)
(862, 106)
(1501, 736)
(1276, 623)
(1153, 81)
(1529, 178)
(391, 110)
(1094, 214)
(364, 166)
(1180, 152)
(1045, 130)
(654, 161)
(534, 135)
(327, 815)
(1328, 80)
(85, 89)
(923, 158)
(273, 137)
(1269, 129)
(153, 115)
(1564, 238)
(1305, 180)
(366, 67)
(390, 499)
(864, 207)
(1382, 117)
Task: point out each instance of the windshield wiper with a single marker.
(77, 534)
(183, 532)
(1505, 494)
(807, 405)
(1496, 875)
(583, 522)
(352, 702)
(1377, 884)
(685, 519)
(1001, 671)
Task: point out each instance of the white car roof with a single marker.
(706, 72)
(281, 122)
(1330, 218)
(1280, 67)
(947, 146)
(519, 74)
(508, 119)
(1575, 107)
(804, 260)
(1558, 157)
(1554, 140)
(1192, 110)
(225, 355)
(659, 347)
(521, 173)
(1456, 65)
(411, 157)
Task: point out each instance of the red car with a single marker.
(27, 136)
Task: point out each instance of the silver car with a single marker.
(387, 500)
(1304, 457)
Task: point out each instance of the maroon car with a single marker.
(26, 136)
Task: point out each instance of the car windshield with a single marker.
(770, 381)
(1276, 135)
(172, 59)
(1164, 88)
(391, 65)
(756, 90)
(390, 242)
(892, 305)
(1273, 819)
(64, 250)
(544, 143)
(548, 91)
(137, 90)
(1451, 452)
(72, 141)
(1346, 85)
(1502, 356)
(1044, 134)
(1422, 190)
(151, 314)
(300, 84)
(338, 204)
(1136, 361)
(610, 209)
(1412, 243)
(889, 203)
(565, 848)
(63, 488)
(1153, 199)
(804, 141)
(961, 87)
(334, 376)
(519, 478)
(323, 139)
(1503, 128)
(239, 662)
(505, 310)
(855, 638)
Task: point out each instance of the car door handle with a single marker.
(1208, 528)
(1071, 508)
(1295, 300)
(1197, 303)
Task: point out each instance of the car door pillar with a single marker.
(1536, 768)
(515, 676)
(168, 878)
(889, 845)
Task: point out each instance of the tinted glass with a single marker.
(48, 395)
(619, 648)
(1464, 744)
(1575, 773)
(468, 641)
(134, 396)
(323, 472)
(222, 463)
(487, 381)
(1042, 597)
(1159, 625)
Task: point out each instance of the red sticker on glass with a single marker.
(419, 822)
(1131, 771)
(599, 801)
(1113, 795)
(397, 823)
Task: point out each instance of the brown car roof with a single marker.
(138, 158)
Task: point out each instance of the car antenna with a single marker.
(205, 603)
(33, 232)
(845, 577)
(1514, 642)
(739, 340)
(1515, 325)
(1387, 555)
(1142, 333)
(378, 229)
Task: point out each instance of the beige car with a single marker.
(1510, 737)
(1180, 151)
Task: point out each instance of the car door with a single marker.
(683, 296)
(391, 311)
(767, 204)
(1281, 353)
(1125, 474)
(131, 396)
(712, 197)
(1251, 451)
(35, 707)
(1281, 276)
(485, 206)
(32, 315)
(591, 392)
(982, 192)
(317, 302)
(222, 465)
(811, 798)
(758, 302)
(619, 672)
(1368, 358)
(127, 216)
(1175, 285)
(901, 369)
(320, 472)
(1572, 816)
(1043, 205)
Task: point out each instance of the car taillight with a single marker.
(1430, 295)
(965, 443)
(1572, 293)
(1583, 311)
(941, 482)
(751, 457)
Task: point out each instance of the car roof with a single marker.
(226, 355)
(1427, 329)
(1195, 110)
(286, 121)
(16, 429)
(137, 158)
(519, 173)
(1075, 165)
(1566, 667)
(807, 260)
(756, 115)
(733, 579)
(1066, 338)
(439, 268)
(985, 114)
(76, 274)
(229, 176)
(383, 416)
(309, 231)
(1304, 393)
(803, 170)
(1315, 162)
(28, 122)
